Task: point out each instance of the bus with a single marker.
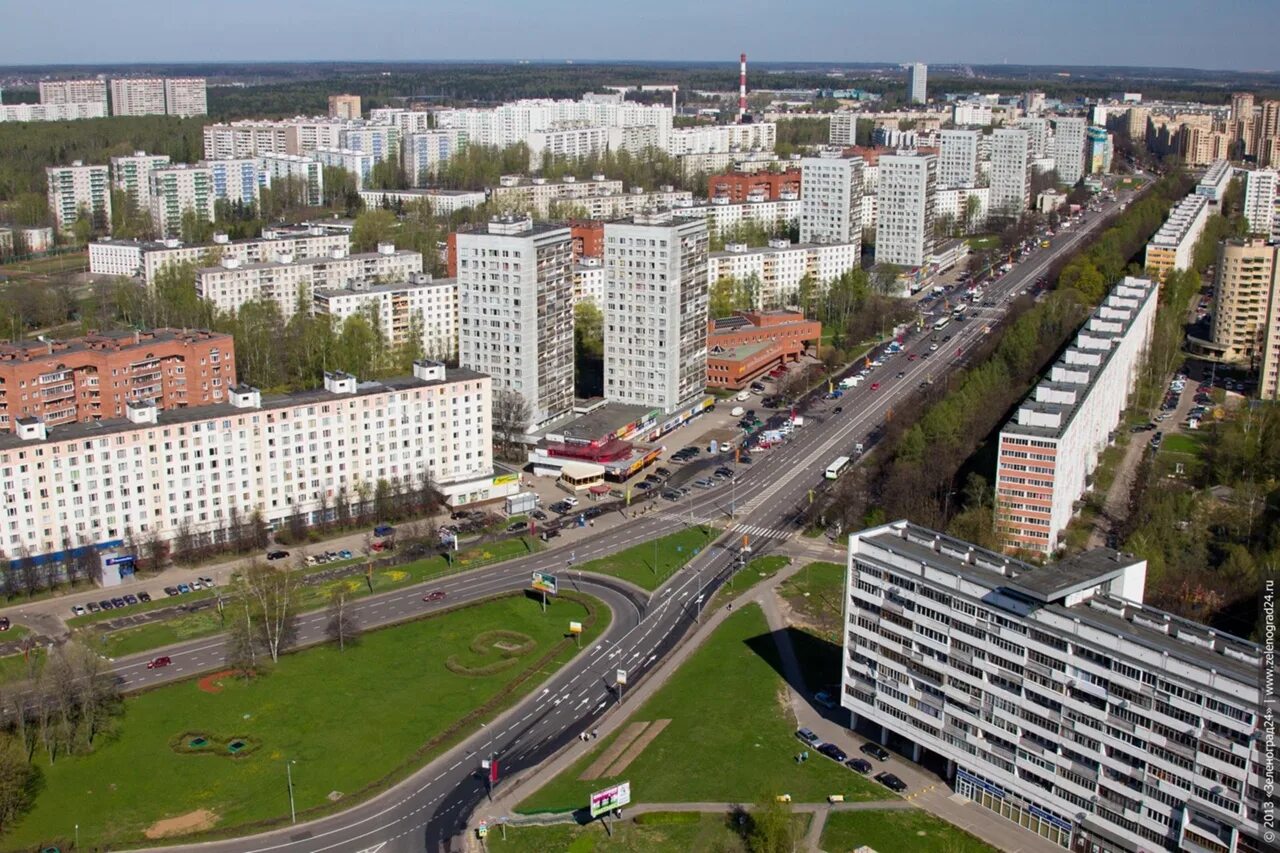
(836, 468)
(957, 314)
(941, 324)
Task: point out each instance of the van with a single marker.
(742, 396)
(738, 411)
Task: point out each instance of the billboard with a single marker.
(544, 582)
(603, 802)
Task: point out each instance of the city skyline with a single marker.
(1140, 34)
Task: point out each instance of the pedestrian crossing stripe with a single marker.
(761, 532)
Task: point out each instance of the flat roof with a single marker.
(161, 245)
(606, 420)
(767, 250)
(739, 352)
(423, 191)
(316, 261)
(388, 287)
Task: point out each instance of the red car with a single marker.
(156, 663)
(435, 595)
(911, 357)
(875, 386)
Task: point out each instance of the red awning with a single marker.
(599, 489)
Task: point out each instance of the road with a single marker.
(429, 810)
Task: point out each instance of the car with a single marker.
(184, 588)
(157, 663)
(516, 526)
(875, 750)
(435, 595)
(196, 585)
(93, 607)
(744, 459)
(901, 374)
(807, 736)
(946, 338)
(837, 410)
(875, 386)
(826, 699)
(933, 347)
(383, 530)
(76, 610)
(128, 599)
(344, 554)
(538, 514)
(671, 496)
(893, 783)
(835, 753)
(643, 486)
(377, 546)
(704, 483)
(277, 555)
(663, 472)
(548, 535)
(171, 591)
(571, 501)
(118, 603)
(859, 764)
(725, 470)
(106, 604)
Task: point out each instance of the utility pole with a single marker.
(288, 770)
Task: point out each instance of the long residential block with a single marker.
(1173, 247)
(146, 258)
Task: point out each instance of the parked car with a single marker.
(106, 604)
(539, 515)
(277, 555)
(593, 512)
(571, 501)
(157, 663)
(517, 526)
(76, 610)
(859, 764)
(825, 699)
(171, 590)
(435, 595)
(128, 599)
(893, 783)
(183, 588)
(744, 459)
(548, 535)
(663, 472)
(835, 753)
(383, 530)
(118, 603)
(704, 483)
(875, 750)
(93, 607)
(671, 495)
(808, 737)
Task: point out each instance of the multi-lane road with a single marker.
(429, 810)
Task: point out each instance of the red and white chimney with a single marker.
(742, 89)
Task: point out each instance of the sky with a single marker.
(1226, 34)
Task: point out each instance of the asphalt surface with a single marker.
(429, 810)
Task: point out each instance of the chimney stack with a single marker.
(742, 89)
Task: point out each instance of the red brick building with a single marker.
(743, 347)
(739, 186)
(93, 377)
(588, 238)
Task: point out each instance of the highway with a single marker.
(429, 810)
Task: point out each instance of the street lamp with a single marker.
(288, 770)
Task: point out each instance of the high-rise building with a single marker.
(177, 190)
(137, 96)
(831, 199)
(1053, 696)
(655, 311)
(1266, 131)
(1242, 105)
(185, 96)
(422, 310)
(77, 189)
(74, 92)
(380, 140)
(306, 174)
(1136, 119)
(1246, 304)
(426, 151)
(357, 163)
(917, 83)
(904, 224)
(1037, 134)
(235, 180)
(958, 158)
(1010, 172)
(1260, 202)
(1098, 159)
(1032, 102)
(131, 174)
(1068, 148)
(344, 106)
(515, 312)
(1048, 449)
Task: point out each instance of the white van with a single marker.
(743, 396)
(738, 411)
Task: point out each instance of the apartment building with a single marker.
(831, 199)
(972, 114)
(74, 92)
(1037, 134)
(305, 174)
(51, 112)
(236, 180)
(246, 139)
(904, 224)
(344, 106)
(157, 472)
(722, 217)
(1010, 172)
(778, 268)
(1069, 137)
(441, 202)
(569, 143)
(754, 186)
(380, 140)
(137, 96)
(630, 203)
(421, 309)
(954, 204)
(1215, 180)
(1262, 202)
(177, 190)
(1173, 247)
(96, 376)
(79, 188)
(426, 151)
(512, 122)
(1055, 697)
(146, 258)
(1098, 150)
(131, 174)
(722, 138)
(655, 310)
(917, 83)
(588, 281)
(1049, 448)
(357, 163)
(290, 282)
(537, 195)
(515, 312)
(958, 158)
(843, 131)
(185, 96)
(1246, 302)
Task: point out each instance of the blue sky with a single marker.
(1231, 34)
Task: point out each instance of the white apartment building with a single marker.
(779, 267)
(131, 174)
(628, 204)
(1050, 447)
(954, 204)
(1213, 183)
(423, 308)
(290, 282)
(155, 472)
(1010, 172)
(917, 83)
(358, 163)
(51, 112)
(971, 114)
(1055, 697)
(177, 189)
(831, 199)
(74, 92)
(306, 173)
(537, 195)
(515, 312)
(588, 282)
(1038, 133)
(569, 143)
(958, 158)
(510, 123)
(380, 140)
(145, 259)
(79, 187)
(1069, 138)
(722, 138)
(409, 121)
(427, 150)
(236, 180)
(722, 215)
(843, 129)
(137, 96)
(904, 224)
(1262, 202)
(1173, 246)
(441, 202)
(655, 310)
(185, 96)
(246, 139)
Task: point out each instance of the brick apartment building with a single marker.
(743, 186)
(588, 238)
(94, 377)
(745, 346)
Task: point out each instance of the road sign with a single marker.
(544, 582)
(622, 676)
(615, 797)
(575, 627)
(482, 830)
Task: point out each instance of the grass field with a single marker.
(637, 564)
(51, 265)
(17, 668)
(896, 831)
(815, 594)
(757, 570)
(348, 719)
(654, 832)
(731, 737)
(990, 241)
(1182, 443)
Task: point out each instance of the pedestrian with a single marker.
(595, 733)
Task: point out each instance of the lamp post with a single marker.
(288, 770)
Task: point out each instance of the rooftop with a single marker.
(112, 341)
(608, 420)
(740, 352)
(363, 286)
(1178, 225)
(300, 262)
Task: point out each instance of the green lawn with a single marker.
(1182, 443)
(990, 241)
(349, 720)
(637, 565)
(18, 668)
(731, 736)
(896, 831)
(654, 832)
(815, 594)
(755, 571)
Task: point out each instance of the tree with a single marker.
(343, 627)
(371, 228)
(511, 416)
(19, 783)
(268, 599)
(588, 329)
(773, 829)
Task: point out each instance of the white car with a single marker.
(743, 395)
(78, 610)
(571, 501)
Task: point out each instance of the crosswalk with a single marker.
(756, 531)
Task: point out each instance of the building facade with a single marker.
(178, 190)
(185, 96)
(655, 310)
(537, 195)
(1215, 180)
(422, 309)
(1010, 172)
(306, 175)
(426, 151)
(344, 106)
(753, 186)
(831, 200)
(776, 270)
(743, 347)
(1069, 148)
(1173, 246)
(1037, 134)
(137, 96)
(917, 83)
(1048, 449)
(74, 92)
(1262, 202)
(904, 223)
(79, 188)
(441, 202)
(958, 158)
(146, 258)
(1246, 303)
(132, 175)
